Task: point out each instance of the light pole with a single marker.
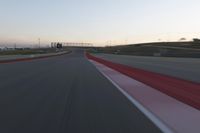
(39, 42)
(15, 46)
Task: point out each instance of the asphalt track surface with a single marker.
(64, 94)
(183, 68)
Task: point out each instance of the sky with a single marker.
(102, 22)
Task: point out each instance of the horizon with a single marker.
(120, 22)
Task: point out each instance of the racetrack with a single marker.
(64, 94)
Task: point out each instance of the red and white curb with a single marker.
(32, 57)
(167, 113)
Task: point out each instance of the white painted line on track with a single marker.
(147, 113)
(167, 113)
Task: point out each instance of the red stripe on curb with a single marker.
(182, 90)
(28, 59)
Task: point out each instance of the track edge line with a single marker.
(161, 125)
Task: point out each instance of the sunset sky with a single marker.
(101, 22)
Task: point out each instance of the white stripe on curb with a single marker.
(147, 113)
(168, 113)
